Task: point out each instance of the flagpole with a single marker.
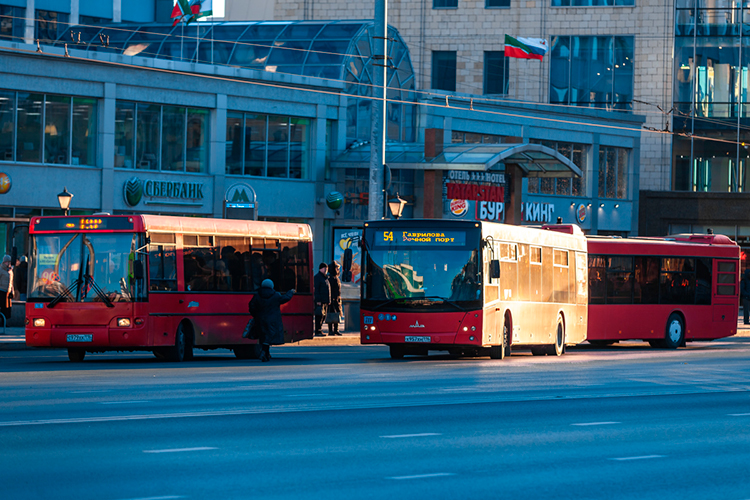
(182, 40)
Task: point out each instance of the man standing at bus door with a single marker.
(6, 288)
(322, 298)
(745, 296)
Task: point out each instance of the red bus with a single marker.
(471, 288)
(161, 284)
(667, 291)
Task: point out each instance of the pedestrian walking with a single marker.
(6, 288)
(745, 296)
(333, 314)
(266, 310)
(322, 291)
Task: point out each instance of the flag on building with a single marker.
(525, 48)
(191, 10)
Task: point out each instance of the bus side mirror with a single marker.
(494, 269)
(138, 269)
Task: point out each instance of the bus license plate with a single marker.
(80, 337)
(416, 339)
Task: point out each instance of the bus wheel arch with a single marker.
(674, 334)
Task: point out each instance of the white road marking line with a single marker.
(122, 402)
(90, 392)
(303, 395)
(424, 434)
(423, 476)
(644, 457)
(180, 450)
(586, 424)
(739, 414)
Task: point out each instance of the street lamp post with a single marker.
(396, 205)
(64, 200)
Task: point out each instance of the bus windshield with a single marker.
(83, 267)
(418, 269)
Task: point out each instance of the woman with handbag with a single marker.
(266, 310)
(333, 316)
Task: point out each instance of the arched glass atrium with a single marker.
(337, 50)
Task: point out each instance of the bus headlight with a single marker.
(39, 322)
(123, 322)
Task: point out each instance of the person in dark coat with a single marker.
(322, 292)
(334, 309)
(266, 309)
(745, 296)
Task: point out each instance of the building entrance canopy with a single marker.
(534, 160)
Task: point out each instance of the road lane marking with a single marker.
(739, 414)
(303, 395)
(424, 434)
(89, 392)
(586, 424)
(180, 450)
(644, 457)
(423, 476)
(122, 402)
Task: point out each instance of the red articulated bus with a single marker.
(667, 290)
(161, 284)
(472, 288)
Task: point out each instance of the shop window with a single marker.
(444, 4)
(578, 154)
(613, 172)
(124, 134)
(444, 70)
(196, 141)
(173, 138)
(85, 132)
(29, 127)
(268, 145)
(57, 129)
(493, 4)
(147, 142)
(496, 70)
(7, 124)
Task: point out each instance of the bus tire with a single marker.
(674, 336)
(507, 325)
(76, 355)
(502, 350)
(558, 348)
(397, 351)
(176, 353)
(251, 351)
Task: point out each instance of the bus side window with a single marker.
(646, 280)
(162, 265)
(703, 281)
(597, 275)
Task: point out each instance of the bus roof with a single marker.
(187, 225)
(697, 245)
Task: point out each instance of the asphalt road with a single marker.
(347, 422)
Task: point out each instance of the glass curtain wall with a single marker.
(712, 60)
(578, 154)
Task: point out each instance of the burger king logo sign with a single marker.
(459, 207)
(581, 213)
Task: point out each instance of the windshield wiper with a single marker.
(382, 304)
(90, 281)
(64, 293)
(446, 301)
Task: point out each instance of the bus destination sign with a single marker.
(84, 224)
(420, 238)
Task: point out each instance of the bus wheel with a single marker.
(76, 355)
(503, 350)
(558, 347)
(397, 351)
(675, 334)
(248, 351)
(177, 352)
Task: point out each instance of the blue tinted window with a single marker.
(592, 3)
(444, 70)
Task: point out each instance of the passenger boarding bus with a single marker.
(161, 284)
(664, 290)
(472, 288)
